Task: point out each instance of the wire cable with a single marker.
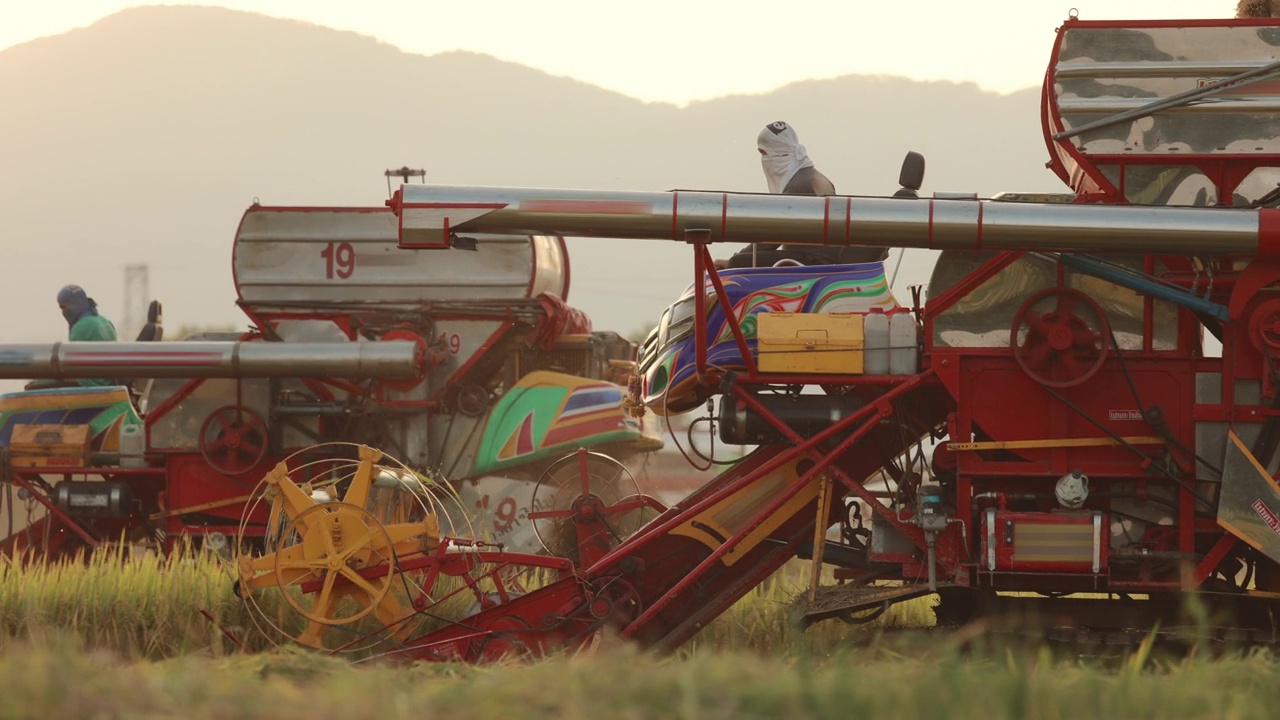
(1157, 422)
(1127, 445)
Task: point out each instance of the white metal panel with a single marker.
(297, 258)
(1101, 71)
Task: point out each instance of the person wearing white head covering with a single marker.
(787, 167)
(789, 171)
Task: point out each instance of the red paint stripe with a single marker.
(826, 221)
(152, 362)
(180, 355)
(494, 206)
(981, 207)
(317, 209)
(145, 362)
(1269, 233)
(675, 214)
(571, 432)
(930, 223)
(592, 207)
(1140, 24)
(848, 219)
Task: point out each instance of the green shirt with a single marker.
(93, 328)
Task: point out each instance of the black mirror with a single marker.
(912, 175)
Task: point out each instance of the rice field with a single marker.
(121, 637)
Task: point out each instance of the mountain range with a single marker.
(144, 137)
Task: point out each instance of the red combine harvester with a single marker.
(1092, 458)
(468, 365)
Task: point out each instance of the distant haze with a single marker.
(144, 137)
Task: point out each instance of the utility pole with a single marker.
(137, 296)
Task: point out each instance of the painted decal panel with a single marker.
(105, 410)
(548, 414)
(727, 517)
(668, 367)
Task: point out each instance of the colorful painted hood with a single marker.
(104, 409)
(549, 414)
(667, 359)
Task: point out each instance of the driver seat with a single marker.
(152, 331)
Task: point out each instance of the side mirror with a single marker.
(912, 175)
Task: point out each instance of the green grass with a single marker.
(57, 679)
(761, 622)
(119, 637)
(136, 607)
(151, 607)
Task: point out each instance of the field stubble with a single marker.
(125, 637)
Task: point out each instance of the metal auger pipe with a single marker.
(74, 360)
(431, 214)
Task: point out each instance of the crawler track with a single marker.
(1087, 626)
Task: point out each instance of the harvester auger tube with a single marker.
(430, 214)
(394, 359)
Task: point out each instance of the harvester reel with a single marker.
(585, 486)
(333, 560)
(341, 540)
(233, 439)
(1060, 337)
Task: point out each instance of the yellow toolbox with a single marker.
(49, 446)
(826, 343)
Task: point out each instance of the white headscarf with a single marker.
(781, 155)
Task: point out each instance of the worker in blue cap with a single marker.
(84, 324)
(83, 321)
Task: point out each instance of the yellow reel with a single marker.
(336, 561)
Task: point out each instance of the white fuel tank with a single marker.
(301, 259)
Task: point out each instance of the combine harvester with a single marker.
(467, 364)
(1091, 459)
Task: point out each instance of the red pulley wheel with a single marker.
(233, 439)
(1060, 337)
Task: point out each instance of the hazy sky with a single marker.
(682, 50)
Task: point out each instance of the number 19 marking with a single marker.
(339, 260)
(453, 341)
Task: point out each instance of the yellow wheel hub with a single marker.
(334, 562)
